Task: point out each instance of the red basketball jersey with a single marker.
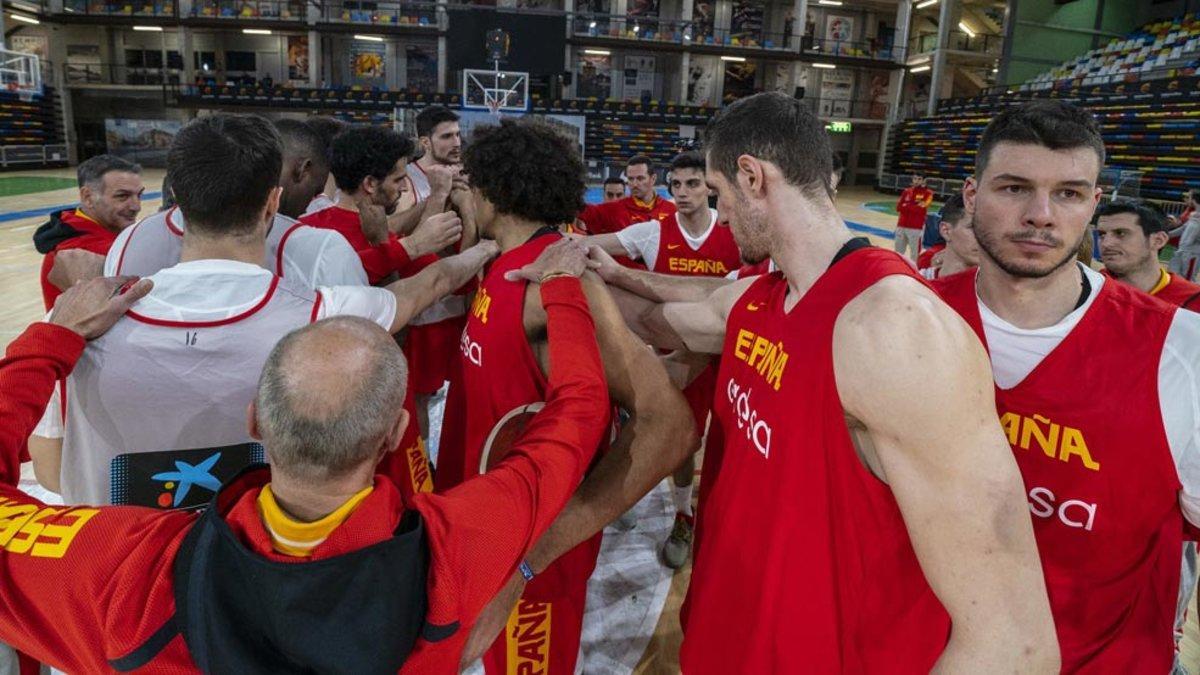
(716, 257)
(809, 568)
(496, 370)
(1088, 436)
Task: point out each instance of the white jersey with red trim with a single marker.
(309, 256)
(419, 181)
(178, 372)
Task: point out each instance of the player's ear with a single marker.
(301, 170)
(392, 441)
(252, 421)
(970, 189)
(1159, 240)
(272, 205)
(369, 185)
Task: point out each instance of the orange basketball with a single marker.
(506, 433)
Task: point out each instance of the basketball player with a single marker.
(961, 251)
(912, 206)
(369, 165)
(1096, 387)
(1186, 261)
(310, 256)
(831, 436)
(187, 355)
(315, 563)
(642, 204)
(110, 198)
(327, 128)
(1131, 236)
(433, 335)
(692, 242)
(527, 178)
(614, 188)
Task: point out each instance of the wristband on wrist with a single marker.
(525, 570)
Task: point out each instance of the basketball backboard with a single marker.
(20, 73)
(496, 91)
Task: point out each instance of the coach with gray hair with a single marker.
(314, 564)
(110, 198)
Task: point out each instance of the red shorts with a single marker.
(543, 631)
(699, 395)
(430, 350)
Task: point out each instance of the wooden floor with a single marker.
(19, 265)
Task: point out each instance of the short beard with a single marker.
(988, 248)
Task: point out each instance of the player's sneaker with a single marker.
(679, 545)
(627, 521)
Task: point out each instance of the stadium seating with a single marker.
(1145, 97)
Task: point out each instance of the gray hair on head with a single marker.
(93, 170)
(328, 396)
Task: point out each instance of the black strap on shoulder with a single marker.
(148, 650)
(543, 231)
(848, 248)
(1085, 289)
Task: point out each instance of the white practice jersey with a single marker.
(308, 256)
(168, 386)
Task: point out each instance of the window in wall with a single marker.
(204, 61)
(241, 62)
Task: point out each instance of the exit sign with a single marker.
(839, 127)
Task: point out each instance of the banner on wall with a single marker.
(366, 60)
(420, 67)
(879, 96)
(739, 80)
(141, 141)
(702, 80)
(639, 78)
(839, 33)
(595, 77)
(297, 55)
(837, 90)
(746, 24)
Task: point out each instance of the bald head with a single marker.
(328, 397)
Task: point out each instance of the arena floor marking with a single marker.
(47, 210)
(22, 185)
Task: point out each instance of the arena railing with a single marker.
(982, 43)
(656, 29)
(32, 155)
(158, 8)
(381, 13)
(77, 74)
(867, 49)
(270, 10)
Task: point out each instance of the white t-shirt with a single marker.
(213, 290)
(1015, 352)
(641, 240)
(322, 202)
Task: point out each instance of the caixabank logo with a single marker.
(178, 479)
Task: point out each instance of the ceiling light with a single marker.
(919, 69)
(256, 31)
(830, 3)
(962, 25)
(828, 66)
(592, 24)
(926, 3)
(597, 52)
(369, 38)
(149, 29)
(26, 7)
(734, 59)
(26, 19)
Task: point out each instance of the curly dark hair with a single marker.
(528, 169)
(362, 151)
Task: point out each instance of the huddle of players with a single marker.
(867, 512)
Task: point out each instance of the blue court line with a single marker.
(47, 210)
(867, 229)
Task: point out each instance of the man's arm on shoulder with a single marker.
(1179, 399)
(530, 485)
(659, 435)
(915, 375)
(32, 366)
(416, 293)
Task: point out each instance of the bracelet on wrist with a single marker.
(553, 275)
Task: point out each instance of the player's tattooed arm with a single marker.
(416, 293)
(934, 436)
